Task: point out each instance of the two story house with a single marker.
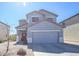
(40, 27)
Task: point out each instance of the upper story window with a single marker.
(50, 19)
(35, 19)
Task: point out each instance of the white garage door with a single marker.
(45, 37)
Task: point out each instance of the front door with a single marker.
(23, 38)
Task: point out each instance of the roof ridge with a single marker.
(48, 11)
(41, 10)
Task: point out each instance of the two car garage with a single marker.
(45, 32)
(45, 36)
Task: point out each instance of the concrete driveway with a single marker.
(55, 49)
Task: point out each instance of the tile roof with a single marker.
(69, 18)
(40, 12)
(4, 24)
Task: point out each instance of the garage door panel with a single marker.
(45, 37)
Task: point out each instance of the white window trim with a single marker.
(45, 30)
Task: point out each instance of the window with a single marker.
(35, 19)
(50, 19)
(63, 25)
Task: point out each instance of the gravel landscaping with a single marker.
(13, 49)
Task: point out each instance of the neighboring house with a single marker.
(71, 28)
(40, 28)
(4, 31)
(70, 21)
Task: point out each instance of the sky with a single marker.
(12, 12)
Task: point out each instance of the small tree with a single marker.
(7, 47)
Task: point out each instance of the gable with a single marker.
(42, 11)
(41, 15)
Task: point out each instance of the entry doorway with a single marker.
(23, 37)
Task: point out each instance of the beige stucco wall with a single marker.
(71, 33)
(4, 31)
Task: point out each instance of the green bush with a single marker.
(12, 37)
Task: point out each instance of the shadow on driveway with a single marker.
(54, 48)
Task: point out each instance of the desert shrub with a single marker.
(21, 52)
(1, 41)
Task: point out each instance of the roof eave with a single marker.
(5, 24)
